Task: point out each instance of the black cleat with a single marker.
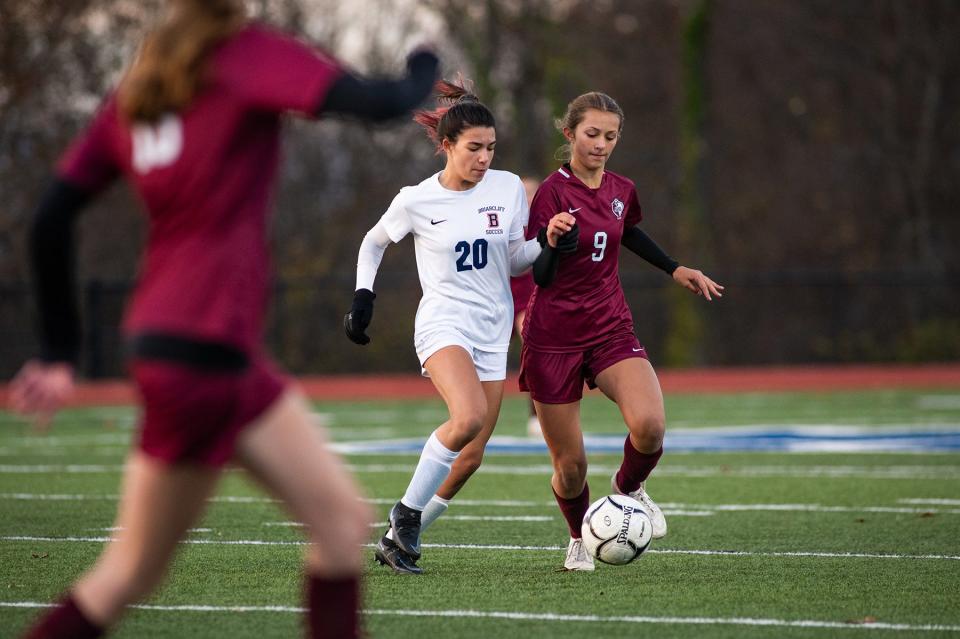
(389, 554)
(406, 529)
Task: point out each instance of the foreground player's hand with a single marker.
(355, 322)
(40, 389)
(697, 282)
(563, 225)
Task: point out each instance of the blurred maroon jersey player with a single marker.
(206, 269)
(195, 127)
(579, 327)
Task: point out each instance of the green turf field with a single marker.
(760, 544)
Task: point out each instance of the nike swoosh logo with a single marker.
(572, 211)
(637, 350)
(435, 222)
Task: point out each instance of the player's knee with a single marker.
(571, 472)
(467, 422)
(647, 429)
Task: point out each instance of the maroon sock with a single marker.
(574, 509)
(66, 621)
(636, 467)
(333, 607)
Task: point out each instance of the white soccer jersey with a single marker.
(461, 240)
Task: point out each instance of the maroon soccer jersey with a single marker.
(205, 176)
(585, 303)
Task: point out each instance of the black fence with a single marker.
(764, 318)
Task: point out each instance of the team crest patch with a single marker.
(493, 218)
(617, 207)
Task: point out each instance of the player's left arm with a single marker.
(379, 99)
(643, 245)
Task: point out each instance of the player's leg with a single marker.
(454, 374)
(289, 454)
(159, 503)
(633, 385)
(469, 459)
(555, 383)
(564, 438)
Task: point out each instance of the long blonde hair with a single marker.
(168, 71)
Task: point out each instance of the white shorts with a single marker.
(491, 365)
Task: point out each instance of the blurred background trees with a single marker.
(806, 155)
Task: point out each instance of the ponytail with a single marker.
(459, 110)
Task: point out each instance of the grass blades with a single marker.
(760, 544)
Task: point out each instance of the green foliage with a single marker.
(684, 344)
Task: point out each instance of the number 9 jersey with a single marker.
(584, 305)
(461, 239)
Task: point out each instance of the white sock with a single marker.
(436, 507)
(432, 470)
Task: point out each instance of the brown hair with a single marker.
(168, 71)
(575, 111)
(459, 110)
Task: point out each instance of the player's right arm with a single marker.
(557, 233)
(44, 384)
(392, 227)
(371, 252)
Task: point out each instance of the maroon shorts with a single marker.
(557, 378)
(195, 416)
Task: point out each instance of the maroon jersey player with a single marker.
(578, 325)
(194, 126)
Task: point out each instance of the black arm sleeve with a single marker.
(644, 246)
(52, 262)
(545, 266)
(383, 99)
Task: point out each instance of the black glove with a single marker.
(355, 322)
(567, 243)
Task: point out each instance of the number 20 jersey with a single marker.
(461, 239)
(584, 304)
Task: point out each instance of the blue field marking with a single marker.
(816, 438)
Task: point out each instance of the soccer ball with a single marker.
(616, 530)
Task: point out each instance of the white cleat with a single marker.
(533, 427)
(649, 506)
(577, 557)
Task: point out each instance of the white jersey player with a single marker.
(468, 227)
(468, 244)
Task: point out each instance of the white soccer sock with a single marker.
(436, 507)
(433, 468)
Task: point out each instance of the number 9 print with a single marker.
(599, 243)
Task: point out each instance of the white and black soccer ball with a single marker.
(616, 530)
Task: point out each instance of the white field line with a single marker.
(670, 508)
(933, 501)
(657, 551)
(803, 472)
(938, 402)
(547, 616)
(378, 524)
(116, 528)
